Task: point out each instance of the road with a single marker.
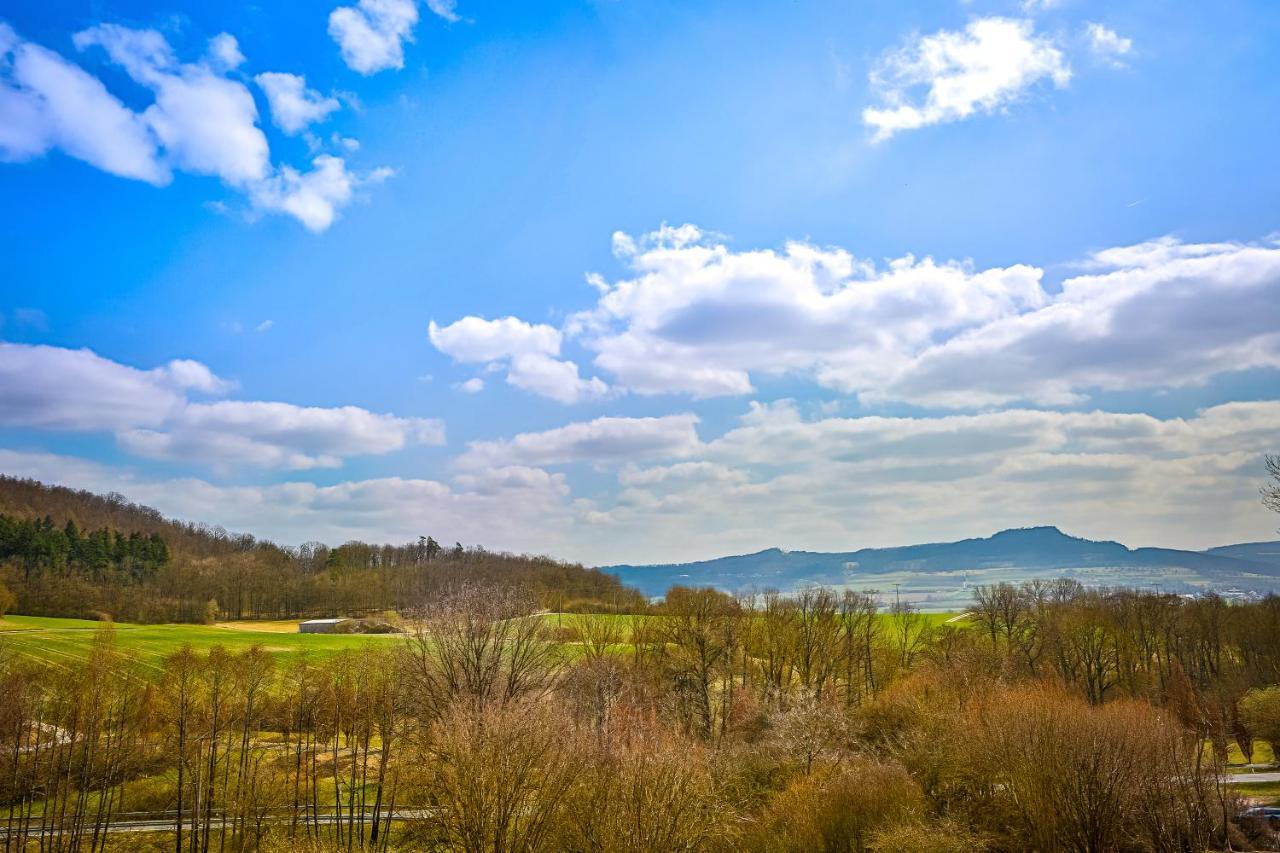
(166, 824)
(1254, 778)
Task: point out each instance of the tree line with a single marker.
(138, 566)
(1054, 718)
(39, 547)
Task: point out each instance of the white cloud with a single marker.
(447, 9)
(474, 385)
(46, 387)
(847, 483)
(293, 105)
(207, 123)
(200, 121)
(528, 350)
(151, 414)
(278, 435)
(491, 481)
(950, 75)
(696, 318)
(313, 197)
(224, 51)
(1157, 315)
(47, 102)
(372, 33)
(1107, 44)
(777, 479)
(603, 440)
(474, 339)
(264, 326)
(522, 510)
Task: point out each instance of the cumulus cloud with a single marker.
(278, 435)
(603, 440)
(694, 317)
(1107, 44)
(224, 52)
(47, 102)
(152, 415)
(315, 196)
(293, 105)
(207, 123)
(200, 121)
(47, 387)
(1157, 315)
(698, 318)
(778, 479)
(528, 351)
(372, 33)
(474, 339)
(514, 509)
(951, 75)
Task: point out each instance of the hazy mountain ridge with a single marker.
(942, 573)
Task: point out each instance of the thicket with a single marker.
(1057, 719)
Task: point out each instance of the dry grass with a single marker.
(278, 626)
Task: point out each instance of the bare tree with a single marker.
(479, 643)
(500, 773)
(1271, 491)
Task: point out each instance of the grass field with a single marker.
(1262, 753)
(58, 640)
(1263, 793)
(63, 640)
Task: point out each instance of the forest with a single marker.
(137, 566)
(1053, 718)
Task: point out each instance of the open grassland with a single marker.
(63, 640)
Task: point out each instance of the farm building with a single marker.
(321, 626)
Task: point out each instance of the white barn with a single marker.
(321, 626)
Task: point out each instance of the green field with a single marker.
(1262, 793)
(66, 640)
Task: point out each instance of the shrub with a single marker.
(839, 808)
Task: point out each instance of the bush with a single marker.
(840, 808)
(936, 837)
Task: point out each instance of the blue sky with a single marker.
(705, 277)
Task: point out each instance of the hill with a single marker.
(75, 554)
(941, 575)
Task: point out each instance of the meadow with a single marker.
(68, 640)
(56, 640)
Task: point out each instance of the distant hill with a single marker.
(941, 575)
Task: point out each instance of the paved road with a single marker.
(1244, 778)
(166, 824)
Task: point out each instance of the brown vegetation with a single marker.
(763, 723)
(141, 567)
